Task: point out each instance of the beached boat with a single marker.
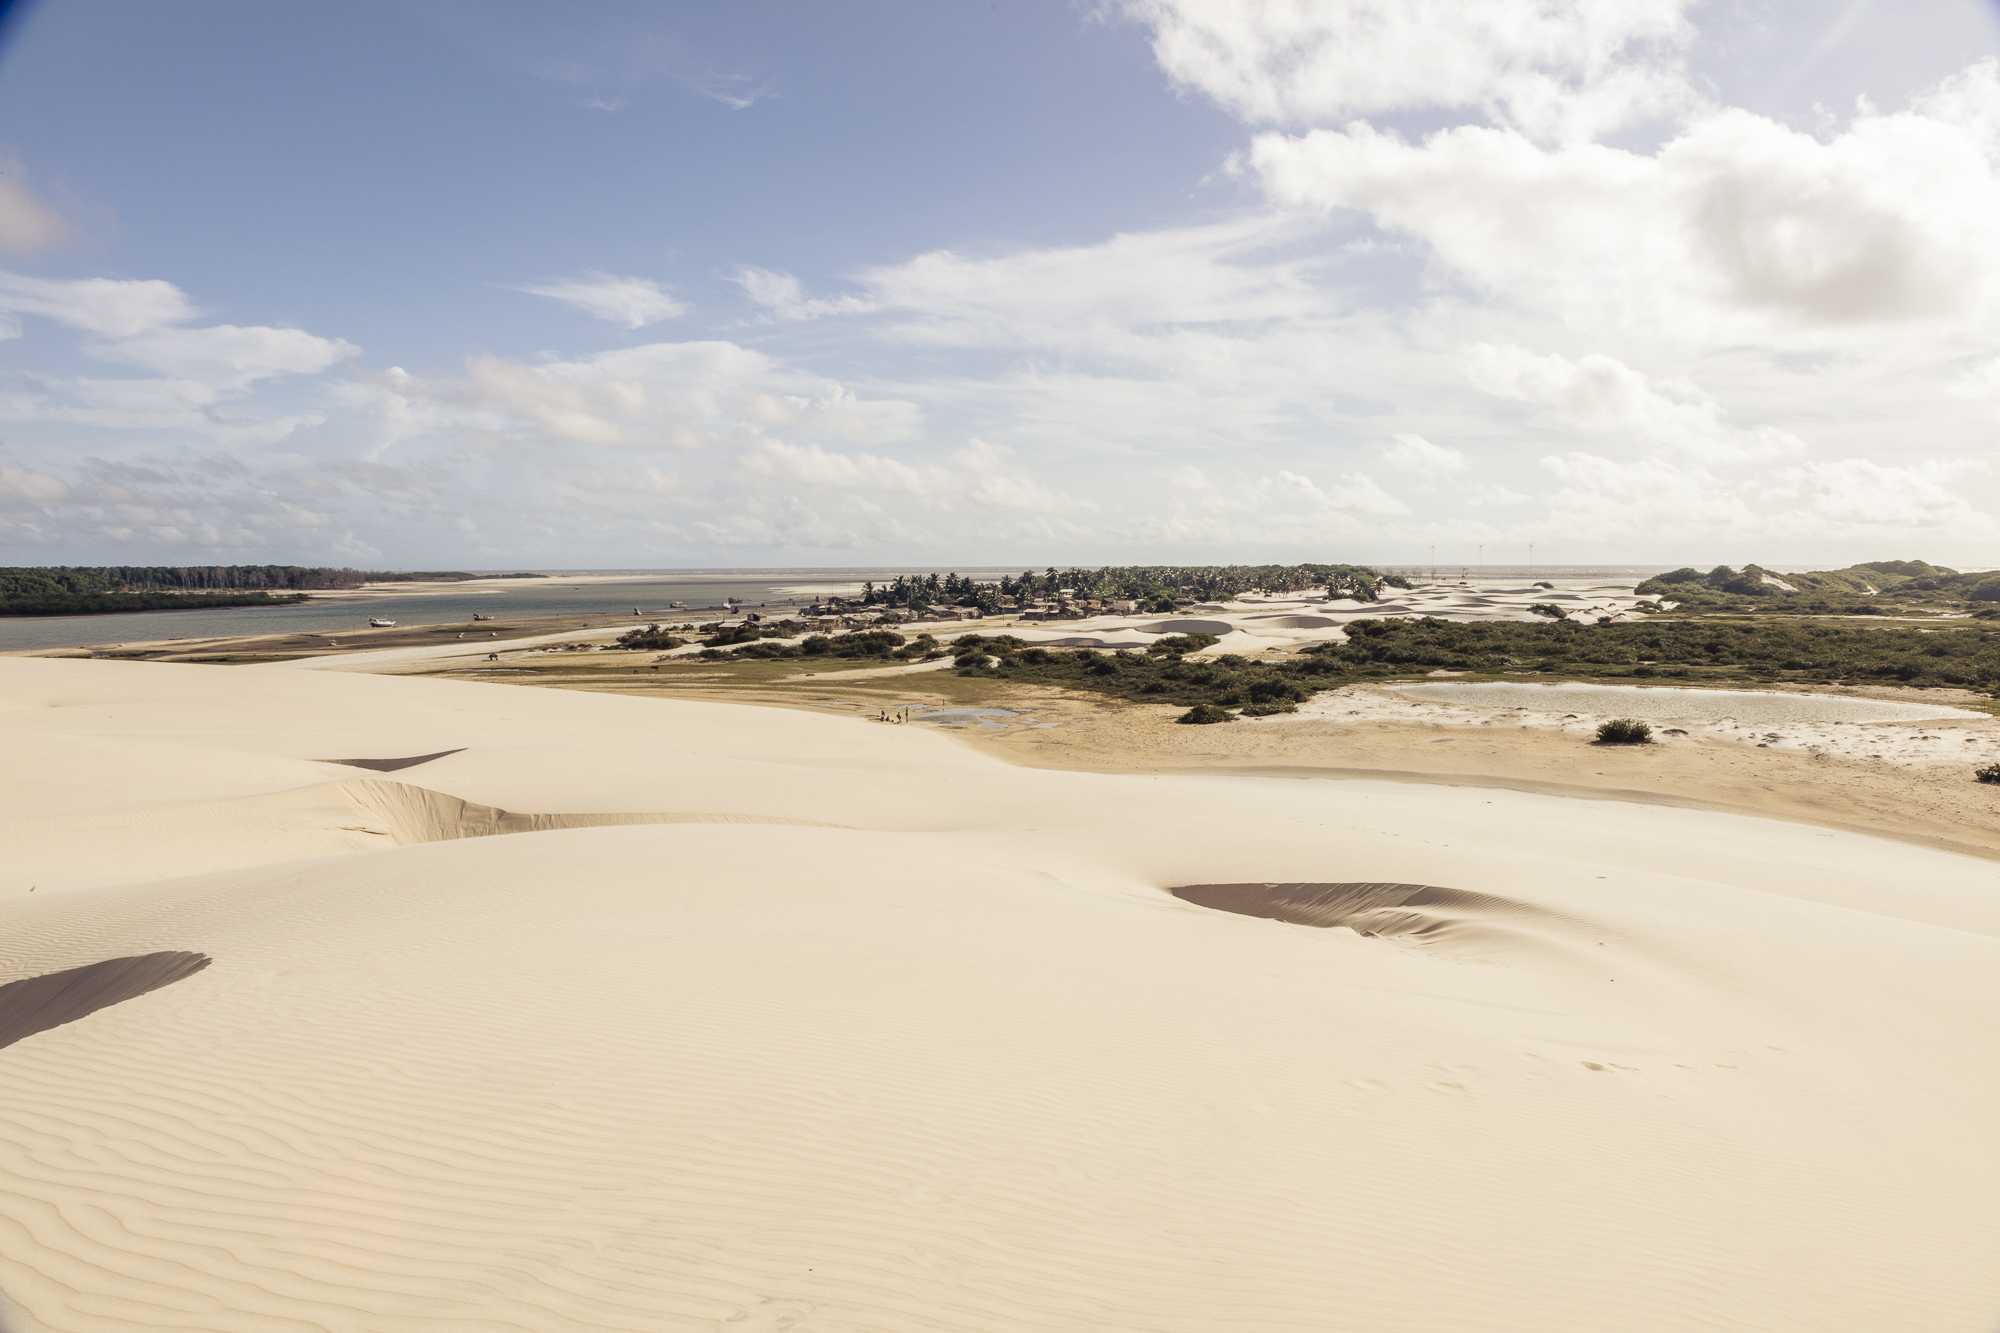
(379, 623)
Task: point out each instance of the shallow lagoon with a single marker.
(1675, 704)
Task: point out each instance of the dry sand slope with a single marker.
(896, 1037)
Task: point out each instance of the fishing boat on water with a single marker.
(378, 623)
(477, 616)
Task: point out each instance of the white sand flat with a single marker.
(916, 1040)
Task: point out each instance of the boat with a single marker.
(378, 623)
(477, 616)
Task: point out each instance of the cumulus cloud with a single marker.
(1737, 228)
(632, 302)
(1570, 68)
(1601, 393)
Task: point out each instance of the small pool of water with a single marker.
(959, 717)
(1672, 704)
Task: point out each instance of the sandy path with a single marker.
(961, 1061)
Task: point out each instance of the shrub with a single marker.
(1203, 714)
(1990, 773)
(1265, 710)
(653, 636)
(1182, 643)
(1624, 731)
(1549, 609)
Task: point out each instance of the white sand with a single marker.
(1259, 624)
(959, 1062)
(1949, 736)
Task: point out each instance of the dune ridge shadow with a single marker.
(36, 1004)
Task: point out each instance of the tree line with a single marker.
(55, 590)
(1159, 589)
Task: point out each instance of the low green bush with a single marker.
(1182, 643)
(1990, 773)
(1624, 731)
(1203, 714)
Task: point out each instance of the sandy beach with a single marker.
(570, 1011)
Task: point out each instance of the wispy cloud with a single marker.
(633, 302)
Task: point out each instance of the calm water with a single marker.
(649, 590)
(1668, 704)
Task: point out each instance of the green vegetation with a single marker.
(420, 576)
(82, 592)
(1954, 653)
(1685, 651)
(1965, 654)
(880, 643)
(1624, 731)
(1159, 589)
(1879, 587)
(72, 590)
(1203, 714)
(653, 636)
(1990, 773)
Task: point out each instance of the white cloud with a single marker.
(1097, 297)
(977, 475)
(1600, 393)
(633, 302)
(1737, 229)
(810, 465)
(113, 307)
(1419, 455)
(19, 483)
(1852, 493)
(1563, 67)
(671, 396)
(226, 356)
(781, 294)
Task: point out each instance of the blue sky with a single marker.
(438, 282)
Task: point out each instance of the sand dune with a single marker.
(964, 1061)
